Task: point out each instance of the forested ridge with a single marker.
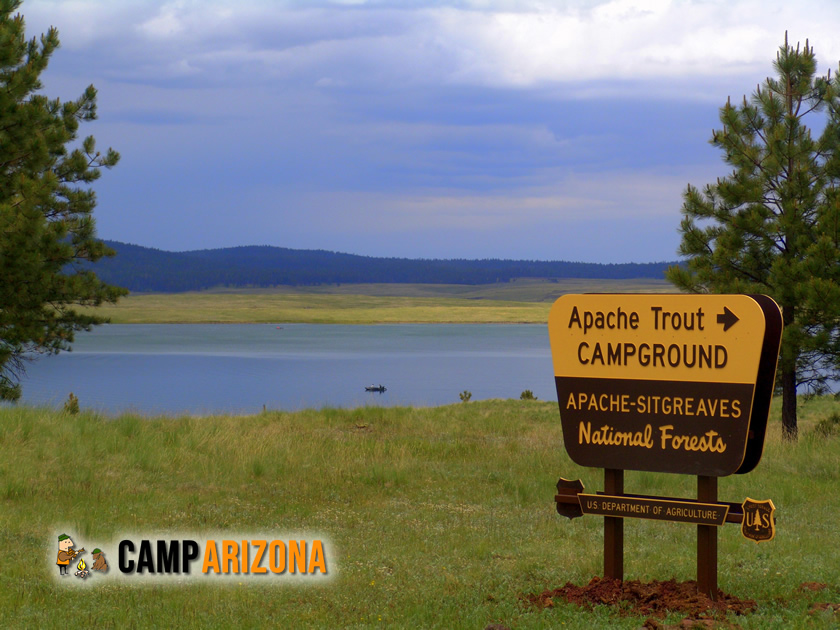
(146, 269)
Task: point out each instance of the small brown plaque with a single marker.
(759, 524)
(566, 498)
(655, 509)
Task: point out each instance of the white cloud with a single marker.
(627, 39)
(496, 43)
(165, 24)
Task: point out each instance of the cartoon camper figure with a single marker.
(65, 554)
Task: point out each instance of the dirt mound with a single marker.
(654, 598)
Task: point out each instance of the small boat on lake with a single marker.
(375, 388)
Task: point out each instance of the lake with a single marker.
(238, 368)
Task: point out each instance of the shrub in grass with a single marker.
(71, 405)
(527, 395)
(465, 396)
(829, 426)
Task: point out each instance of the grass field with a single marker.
(523, 301)
(438, 517)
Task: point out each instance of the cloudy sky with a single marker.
(419, 128)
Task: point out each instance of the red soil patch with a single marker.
(812, 586)
(654, 598)
(819, 608)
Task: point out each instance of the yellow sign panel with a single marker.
(697, 338)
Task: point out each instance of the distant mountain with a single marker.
(145, 269)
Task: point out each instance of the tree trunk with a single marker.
(789, 429)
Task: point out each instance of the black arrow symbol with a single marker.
(727, 318)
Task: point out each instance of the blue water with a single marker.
(231, 368)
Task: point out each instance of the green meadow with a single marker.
(522, 301)
(437, 517)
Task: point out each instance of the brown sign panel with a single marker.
(665, 383)
(689, 428)
(758, 524)
(653, 508)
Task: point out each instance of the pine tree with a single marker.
(773, 225)
(47, 235)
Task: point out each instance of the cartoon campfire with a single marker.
(83, 571)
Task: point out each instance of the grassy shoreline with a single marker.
(440, 517)
(212, 308)
(523, 301)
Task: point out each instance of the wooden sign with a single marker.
(665, 383)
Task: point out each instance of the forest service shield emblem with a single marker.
(759, 524)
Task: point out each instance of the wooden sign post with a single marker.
(663, 383)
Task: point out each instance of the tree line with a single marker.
(144, 269)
